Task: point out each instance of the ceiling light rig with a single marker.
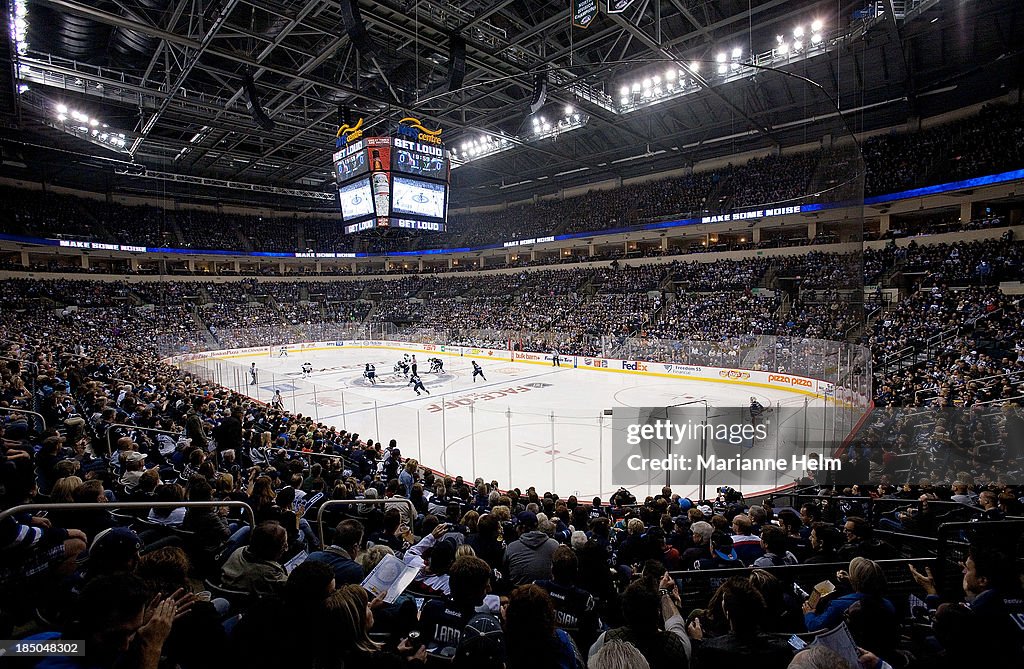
(473, 147)
(19, 26)
(83, 126)
(731, 63)
(571, 119)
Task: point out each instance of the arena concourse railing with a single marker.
(827, 385)
(37, 416)
(696, 586)
(392, 501)
(133, 428)
(115, 506)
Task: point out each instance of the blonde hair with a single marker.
(635, 526)
(502, 513)
(465, 550)
(369, 558)
(866, 576)
(345, 608)
(64, 488)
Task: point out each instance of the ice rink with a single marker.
(526, 424)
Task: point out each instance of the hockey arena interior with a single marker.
(606, 334)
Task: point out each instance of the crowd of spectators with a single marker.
(985, 143)
(507, 577)
(952, 307)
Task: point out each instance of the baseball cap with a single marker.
(723, 545)
(114, 546)
(528, 518)
(482, 641)
(133, 456)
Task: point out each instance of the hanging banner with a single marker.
(583, 12)
(618, 6)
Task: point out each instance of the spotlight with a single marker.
(797, 45)
(636, 86)
(62, 109)
(695, 66)
(737, 52)
(657, 80)
(670, 75)
(721, 57)
(782, 49)
(816, 38)
(625, 90)
(798, 31)
(647, 83)
(817, 26)
(723, 68)
(624, 101)
(546, 126)
(93, 122)
(568, 110)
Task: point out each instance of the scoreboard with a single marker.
(399, 181)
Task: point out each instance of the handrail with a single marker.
(86, 506)
(322, 455)
(684, 574)
(110, 448)
(336, 502)
(998, 399)
(34, 413)
(963, 382)
(24, 362)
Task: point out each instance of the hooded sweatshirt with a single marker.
(528, 559)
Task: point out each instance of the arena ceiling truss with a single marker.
(168, 78)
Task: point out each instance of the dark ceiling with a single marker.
(170, 72)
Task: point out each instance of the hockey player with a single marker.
(478, 371)
(756, 409)
(277, 402)
(555, 360)
(402, 367)
(370, 374)
(417, 384)
(283, 352)
(436, 366)
(413, 365)
(307, 369)
(252, 373)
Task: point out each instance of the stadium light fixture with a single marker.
(816, 26)
(19, 26)
(737, 52)
(721, 57)
(81, 125)
(798, 32)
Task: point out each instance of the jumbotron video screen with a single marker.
(392, 182)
